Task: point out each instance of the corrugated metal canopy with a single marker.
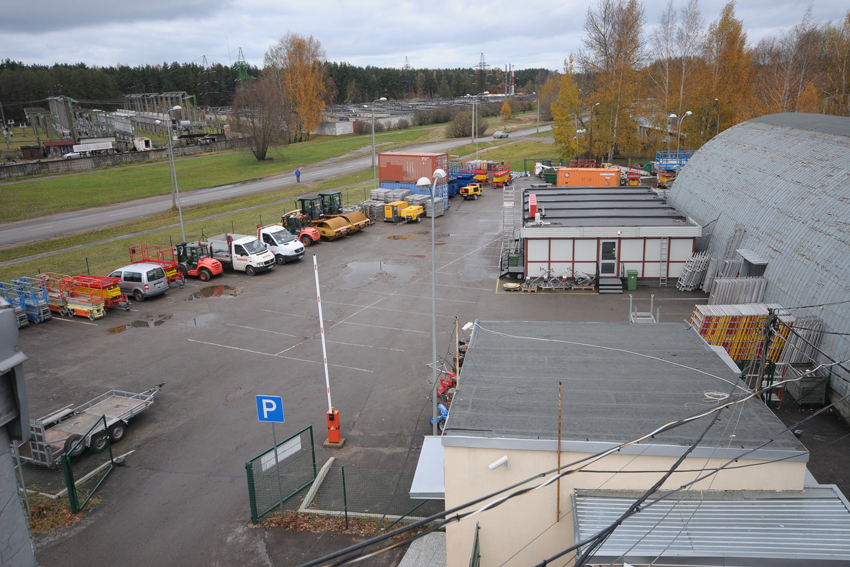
(812, 528)
(752, 257)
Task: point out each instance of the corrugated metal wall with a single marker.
(786, 179)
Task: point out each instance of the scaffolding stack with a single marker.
(740, 329)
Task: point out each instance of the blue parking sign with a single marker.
(270, 408)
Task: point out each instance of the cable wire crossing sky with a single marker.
(533, 34)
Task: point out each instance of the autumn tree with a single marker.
(613, 58)
(566, 111)
(259, 111)
(836, 68)
(297, 64)
(506, 111)
(548, 95)
(726, 77)
(786, 69)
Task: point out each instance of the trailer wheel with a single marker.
(280, 259)
(91, 315)
(204, 275)
(250, 270)
(475, 198)
(69, 445)
(98, 442)
(306, 241)
(138, 295)
(116, 432)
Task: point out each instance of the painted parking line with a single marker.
(278, 356)
(387, 328)
(399, 295)
(72, 321)
(383, 309)
(305, 340)
(289, 314)
(265, 331)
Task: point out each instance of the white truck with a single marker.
(281, 242)
(241, 252)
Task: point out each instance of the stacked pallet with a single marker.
(379, 195)
(730, 291)
(372, 208)
(740, 328)
(418, 200)
(398, 195)
(429, 211)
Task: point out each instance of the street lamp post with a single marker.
(679, 129)
(590, 146)
(475, 118)
(175, 191)
(538, 110)
(425, 182)
(717, 102)
(374, 164)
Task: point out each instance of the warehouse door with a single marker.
(608, 258)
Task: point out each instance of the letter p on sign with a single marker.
(270, 408)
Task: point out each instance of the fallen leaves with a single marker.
(294, 521)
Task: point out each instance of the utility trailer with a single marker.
(60, 433)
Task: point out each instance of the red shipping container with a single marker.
(402, 167)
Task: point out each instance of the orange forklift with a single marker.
(195, 259)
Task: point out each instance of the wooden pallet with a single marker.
(530, 288)
(583, 288)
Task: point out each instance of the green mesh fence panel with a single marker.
(369, 491)
(297, 464)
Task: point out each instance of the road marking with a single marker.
(380, 327)
(406, 295)
(458, 286)
(385, 309)
(311, 338)
(119, 214)
(278, 356)
(264, 331)
(72, 321)
(290, 314)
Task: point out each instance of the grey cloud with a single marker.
(35, 19)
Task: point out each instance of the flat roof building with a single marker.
(604, 232)
(619, 382)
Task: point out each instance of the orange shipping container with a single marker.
(403, 167)
(588, 177)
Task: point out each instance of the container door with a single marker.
(608, 259)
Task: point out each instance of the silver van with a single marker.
(141, 280)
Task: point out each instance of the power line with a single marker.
(589, 460)
(821, 305)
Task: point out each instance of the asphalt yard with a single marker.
(181, 496)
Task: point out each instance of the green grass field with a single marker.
(230, 216)
(66, 193)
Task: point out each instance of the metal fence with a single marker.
(475, 560)
(272, 483)
(371, 493)
(87, 465)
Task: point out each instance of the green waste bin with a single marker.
(632, 279)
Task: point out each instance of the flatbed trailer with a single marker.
(59, 433)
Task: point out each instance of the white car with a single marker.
(72, 155)
(500, 134)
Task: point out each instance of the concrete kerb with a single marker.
(317, 484)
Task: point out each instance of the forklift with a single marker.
(312, 208)
(195, 259)
(300, 226)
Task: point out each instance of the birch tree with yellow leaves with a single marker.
(296, 63)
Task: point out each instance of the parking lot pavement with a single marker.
(181, 498)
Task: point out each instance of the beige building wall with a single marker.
(509, 527)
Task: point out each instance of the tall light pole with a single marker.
(175, 191)
(590, 146)
(679, 129)
(425, 182)
(717, 103)
(538, 110)
(475, 117)
(374, 163)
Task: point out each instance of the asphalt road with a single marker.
(87, 219)
(181, 497)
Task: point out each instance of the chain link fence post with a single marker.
(344, 498)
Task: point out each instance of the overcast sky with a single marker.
(437, 33)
